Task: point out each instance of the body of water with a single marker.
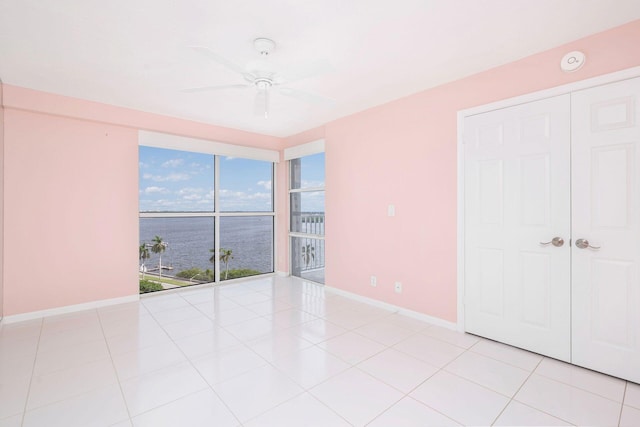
(190, 239)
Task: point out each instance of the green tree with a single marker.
(159, 247)
(196, 273)
(225, 257)
(144, 254)
(308, 254)
(242, 272)
(149, 286)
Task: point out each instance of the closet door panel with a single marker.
(517, 197)
(605, 212)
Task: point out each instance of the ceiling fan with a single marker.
(262, 79)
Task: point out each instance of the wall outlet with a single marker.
(397, 287)
(374, 281)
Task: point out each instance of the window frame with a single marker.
(298, 152)
(217, 150)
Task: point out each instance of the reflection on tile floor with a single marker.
(284, 352)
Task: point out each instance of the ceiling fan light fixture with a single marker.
(264, 46)
(263, 84)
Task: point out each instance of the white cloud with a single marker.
(154, 190)
(311, 184)
(190, 190)
(199, 167)
(172, 177)
(244, 201)
(173, 163)
(265, 184)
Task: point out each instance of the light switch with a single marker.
(391, 210)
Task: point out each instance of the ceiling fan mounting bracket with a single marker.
(264, 46)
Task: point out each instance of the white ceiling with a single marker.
(137, 54)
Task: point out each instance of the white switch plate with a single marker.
(398, 287)
(391, 210)
(374, 281)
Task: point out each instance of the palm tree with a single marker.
(308, 254)
(225, 257)
(159, 247)
(144, 255)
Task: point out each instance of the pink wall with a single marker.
(1, 202)
(404, 153)
(71, 196)
(70, 165)
(32, 100)
(71, 207)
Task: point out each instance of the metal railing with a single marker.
(308, 251)
(313, 223)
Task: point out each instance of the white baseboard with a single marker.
(400, 310)
(282, 273)
(68, 309)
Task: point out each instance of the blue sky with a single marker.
(312, 171)
(182, 181)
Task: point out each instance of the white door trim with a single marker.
(535, 96)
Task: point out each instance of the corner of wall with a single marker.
(1, 202)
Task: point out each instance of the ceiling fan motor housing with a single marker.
(263, 83)
(264, 46)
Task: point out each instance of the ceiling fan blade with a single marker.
(221, 60)
(209, 88)
(304, 96)
(261, 103)
(301, 72)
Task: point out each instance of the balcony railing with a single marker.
(312, 223)
(308, 251)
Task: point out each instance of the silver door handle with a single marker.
(584, 244)
(556, 241)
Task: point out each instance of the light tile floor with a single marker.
(284, 352)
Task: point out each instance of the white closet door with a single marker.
(606, 189)
(517, 195)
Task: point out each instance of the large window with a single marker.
(307, 216)
(203, 218)
(246, 218)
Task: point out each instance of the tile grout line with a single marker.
(516, 392)
(441, 369)
(197, 370)
(56, 401)
(115, 371)
(408, 394)
(164, 367)
(33, 368)
(624, 397)
(271, 361)
(268, 363)
(306, 390)
(512, 399)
